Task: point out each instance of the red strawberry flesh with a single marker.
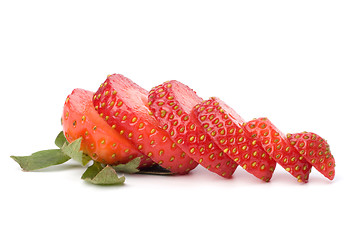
(101, 142)
(227, 132)
(279, 148)
(172, 103)
(123, 104)
(316, 151)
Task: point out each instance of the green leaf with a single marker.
(41, 159)
(91, 171)
(85, 159)
(97, 174)
(60, 140)
(73, 150)
(130, 167)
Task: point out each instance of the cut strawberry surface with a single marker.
(224, 126)
(124, 106)
(172, 103)
(315, 150)
(279, 148)
(101, 142)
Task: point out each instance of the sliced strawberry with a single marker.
(123, 104)
(279, 148)
(172, 104)
(316, 151)
(224, 126)
(100, 141)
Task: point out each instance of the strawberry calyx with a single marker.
(97, 173)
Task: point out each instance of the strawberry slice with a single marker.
(123, 105)
(277, 145)
(316, 151)
(100, 141)
(172, 104)
(224, 126)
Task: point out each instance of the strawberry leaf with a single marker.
(60, 140)
(91, 171)
(99, 175)
(130, 167)
(51, 157)
(85, 159)
(41, 159)
(96, 173)
(73, 150)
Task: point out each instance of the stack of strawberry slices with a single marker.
(172, 127)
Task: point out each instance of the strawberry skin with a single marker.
(316, 151)
(124, 106)
(276, 144)
(100, 141)
(224, 126)
(172, 103)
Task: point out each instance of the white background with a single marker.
(296, 62)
